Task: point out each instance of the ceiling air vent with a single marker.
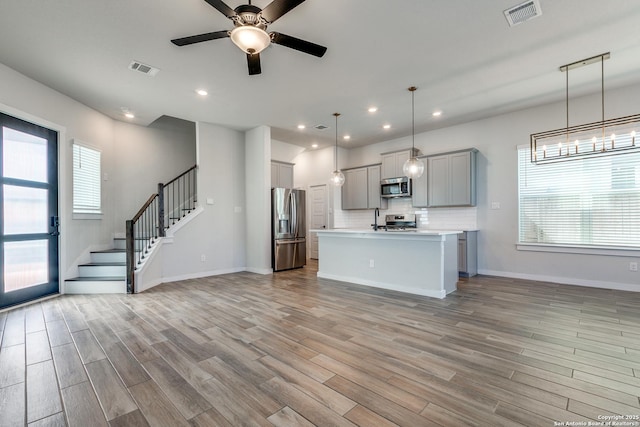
(321, 127)
(143, 68)
(523, 12)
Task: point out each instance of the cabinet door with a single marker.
(388, 166)
(373, 187)
(401, 158)
(354, 190)
(462, 253)
(420, 189)
(285, 173)
(438, 181)
(460, 179)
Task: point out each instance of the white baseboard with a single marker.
(563, 280)
(359, 281)
(259, 270)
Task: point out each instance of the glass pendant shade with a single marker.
(413, 168)
(337, 178)
(250, 39)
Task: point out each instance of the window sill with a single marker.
(575, 249)
(87, 215)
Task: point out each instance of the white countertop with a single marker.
(417, 232)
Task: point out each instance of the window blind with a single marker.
(588, 202)
(86, 180)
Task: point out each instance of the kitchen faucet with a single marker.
(376, 214)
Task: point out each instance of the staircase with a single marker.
(105, 274)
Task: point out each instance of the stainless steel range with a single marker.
(401, 222)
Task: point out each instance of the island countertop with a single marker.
(384, 233)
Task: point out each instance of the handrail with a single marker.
(144, 207)
(173, 201)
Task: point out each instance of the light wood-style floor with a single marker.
(293, 350)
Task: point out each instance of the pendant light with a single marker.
(413, 167)
(337, 177)
(602, 138)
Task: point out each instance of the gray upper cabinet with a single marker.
(355, 189)
(419, 187)
(281, 174)
(373, 187)
(451, 179)
(392, 164)
(361, 189)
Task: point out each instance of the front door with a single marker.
(29, 208)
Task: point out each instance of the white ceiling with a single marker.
(462, 55)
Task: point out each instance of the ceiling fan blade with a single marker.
(222, 8)
(277, 8)
(200, 38)
(298, 44)
(253, 61)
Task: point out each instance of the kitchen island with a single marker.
(421, 262)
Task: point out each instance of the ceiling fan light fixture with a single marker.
(250, 39)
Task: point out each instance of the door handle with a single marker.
(54, 223)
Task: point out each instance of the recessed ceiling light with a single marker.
(347, 137)
(301, 126)
(129, 115)
(202, 92)
(386, 127)
(314, 145)
(372, 109)
(436, 113)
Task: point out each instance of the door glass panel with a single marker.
(26, 264)
(24, 156)
(25, 210)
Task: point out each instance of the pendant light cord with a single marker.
(412, 89)
(335, 154)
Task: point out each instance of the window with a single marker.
(86, 180)
(588, 202)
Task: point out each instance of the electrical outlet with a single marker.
(371, 263)
(633, 266)
(203, 258)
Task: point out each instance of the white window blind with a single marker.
(588, 202)
(86, 180)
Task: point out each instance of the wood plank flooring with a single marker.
(293, 350)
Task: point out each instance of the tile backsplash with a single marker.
(429, 218)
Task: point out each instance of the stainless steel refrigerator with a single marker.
(288, 215)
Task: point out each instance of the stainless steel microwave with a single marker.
(395, 187)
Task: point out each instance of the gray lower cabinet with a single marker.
(468, 253)
(361, 189)
(451, 179)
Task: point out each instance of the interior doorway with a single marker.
(318, 202)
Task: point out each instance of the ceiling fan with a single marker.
(249, 32)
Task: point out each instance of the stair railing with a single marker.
(173, 201)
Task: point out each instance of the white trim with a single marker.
(576, 249)
(183, 221)
(563, 280)
(359, 281)
(87, 215)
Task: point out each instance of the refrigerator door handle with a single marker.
(290, 242)
(294, 213)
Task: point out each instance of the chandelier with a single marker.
(601, 138)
